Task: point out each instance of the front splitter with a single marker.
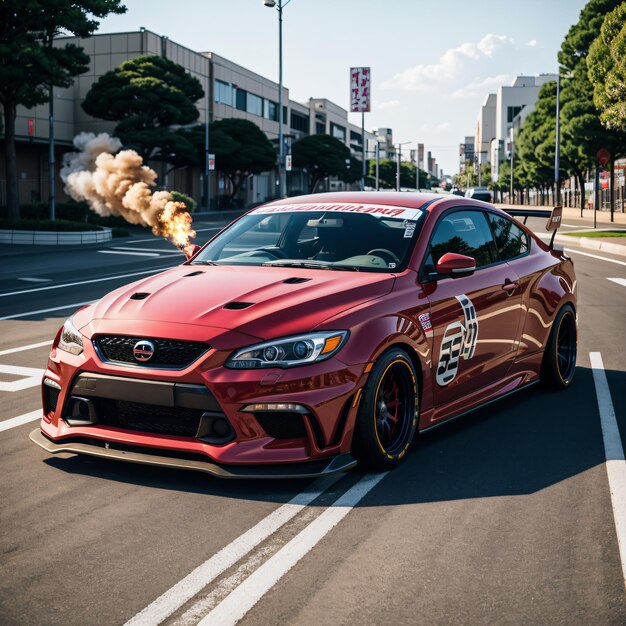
(309, 469)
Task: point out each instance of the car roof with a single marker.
(411, 199)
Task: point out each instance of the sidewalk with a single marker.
(610, 245)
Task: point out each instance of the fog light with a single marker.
(275, 406)
(51, 383)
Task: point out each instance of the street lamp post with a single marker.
(557, 147)
(280, 5)
(399, 158)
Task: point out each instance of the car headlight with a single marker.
(70, 340)
(289, 351)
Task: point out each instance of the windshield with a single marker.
(357, 237)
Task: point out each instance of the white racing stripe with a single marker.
(85, 282)
(614, 452)
(595, 256)
(75, 305)
(200, 577)
(128, 253)
(619, 281)
(235, 606)
(20, 419)
(30, 346)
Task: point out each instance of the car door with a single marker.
(475, 318)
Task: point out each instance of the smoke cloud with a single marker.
(120, 184)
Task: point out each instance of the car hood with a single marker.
(263, 302)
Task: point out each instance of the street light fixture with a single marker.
(279, 5)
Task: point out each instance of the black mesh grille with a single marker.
(167, 353)
(282, 424)
(50, 399)
(150, 418)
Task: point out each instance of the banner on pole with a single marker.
(360, 89)
(211, 162)
(288, 162)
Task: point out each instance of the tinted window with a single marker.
(511, 240)
(462, 232)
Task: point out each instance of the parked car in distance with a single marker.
(479, 193)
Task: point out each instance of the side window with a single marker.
(511, 240)
(462, 232)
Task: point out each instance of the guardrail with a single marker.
(54, 238)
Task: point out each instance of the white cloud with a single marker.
(482, 86)
(385, 104)
(470, 60)
(532, 43)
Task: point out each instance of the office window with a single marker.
(255, 105)
(511, 112)
(320, 129)
(270, 110)
(285, 118)
(338, 132)
(223, 93)
(241, 99)
(355, 137)
(299, 122)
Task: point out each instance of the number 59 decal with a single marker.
(459, 340)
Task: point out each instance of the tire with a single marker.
(559, 359)
(387, 417)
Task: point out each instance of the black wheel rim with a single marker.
(395, 408)
(566, 347)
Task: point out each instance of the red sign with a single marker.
(603, 156)
(288, 162)
(211, 162)
(31, 128)
(359, 89)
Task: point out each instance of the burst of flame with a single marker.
(174, 223)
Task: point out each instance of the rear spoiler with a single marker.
(553, 217)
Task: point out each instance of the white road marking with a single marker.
(163, 251)
(20, 419)
(36, 280)
(619, 281)
(198, 230)
(30, 346)
(86, 282)
(615, 461)
(128, 253)
(200, 577)
(595, 256)
(31, 377)
(75, 305)
(235, 606)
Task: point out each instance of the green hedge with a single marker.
(57, 225)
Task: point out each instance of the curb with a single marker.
(54, 238)
(589, 243)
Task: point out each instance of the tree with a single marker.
(607, 69)
(30, 64)
(387, 172)
(321, 156)
(241, 149)
(147, 96)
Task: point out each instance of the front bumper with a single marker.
(106, 450)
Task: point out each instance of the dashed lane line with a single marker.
(20, 420)
(174, 251)
(614, 452)
(595, 256)
(30, 346)
(86, 282)
(74, 305)
(237, 604)
(153, 254)
(193, 583)
(619, 281)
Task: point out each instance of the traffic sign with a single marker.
(603, 156)
(211, 162)
(288, 162)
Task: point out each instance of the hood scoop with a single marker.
(196, 273)
(295, 280)
(237, 306)
(139, 295)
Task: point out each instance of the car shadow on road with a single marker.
(520, 445)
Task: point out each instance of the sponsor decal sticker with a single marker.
(424, 320)
(370, 209)
(459, 341)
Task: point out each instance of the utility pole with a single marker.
(398, 168)
(511, 199)
(377, 162)
(207, 173)
(363, 150)
(51, 155)
(557, 147)
(417, 166)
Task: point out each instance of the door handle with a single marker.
(509, 286)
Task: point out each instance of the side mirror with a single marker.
(191, 250)
(452, 263)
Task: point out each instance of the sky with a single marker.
(433, 62)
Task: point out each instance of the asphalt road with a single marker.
(503, 517)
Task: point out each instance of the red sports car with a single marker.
(312, 333)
